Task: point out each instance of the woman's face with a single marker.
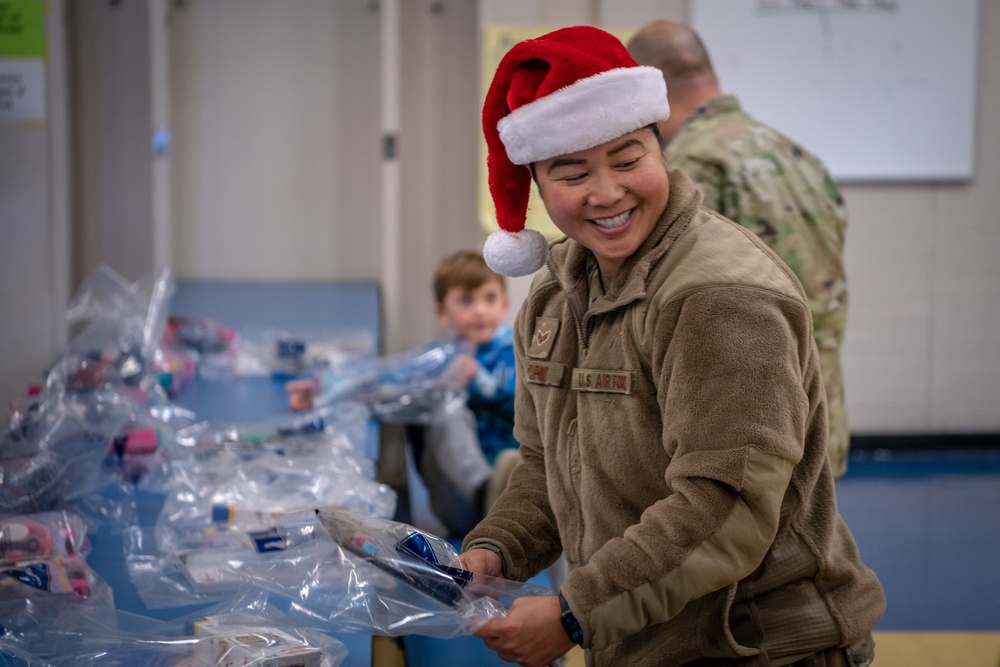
(607, 198)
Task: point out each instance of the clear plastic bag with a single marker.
(229, 486)
(118, 325)
(60, 450)
(377, 576)
(29, 484)
(209, 344)
(408, 388)
(68, 471)
(94, 432)
(220, 637)
(40, 536)
(44, 572)
(175, 368)
(343, 428)
(25, 419)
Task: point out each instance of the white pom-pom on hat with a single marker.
(516, 254)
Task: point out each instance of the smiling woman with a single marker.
(607, 198)
(671, 416)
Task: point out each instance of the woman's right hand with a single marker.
(482, 561)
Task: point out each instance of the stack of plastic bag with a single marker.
(99, 423)
(231, 483)
(119, 325)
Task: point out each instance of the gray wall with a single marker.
(276, 173)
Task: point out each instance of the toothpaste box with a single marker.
(212, 571)
(241, 645)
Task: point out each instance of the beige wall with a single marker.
(276, 174)
(276, 126)
(924, 319)
(275, 139)
(34, 227)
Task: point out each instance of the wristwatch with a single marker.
(569, 622)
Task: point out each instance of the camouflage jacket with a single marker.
(763, 180)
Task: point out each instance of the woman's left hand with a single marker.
(530, 635)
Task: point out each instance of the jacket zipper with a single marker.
(573, 446)
(574, 307)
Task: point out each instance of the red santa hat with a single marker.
(564, 92)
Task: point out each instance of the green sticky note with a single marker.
(22, 28)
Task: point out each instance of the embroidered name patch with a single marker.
(609, 382)
(542, 373)
(540, 345)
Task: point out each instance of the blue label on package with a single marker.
(265, 541)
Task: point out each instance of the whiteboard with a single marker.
(878, 89)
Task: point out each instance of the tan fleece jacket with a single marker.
(673, 444)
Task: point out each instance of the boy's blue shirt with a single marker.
(491, 393)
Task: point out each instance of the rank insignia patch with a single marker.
(540, 346)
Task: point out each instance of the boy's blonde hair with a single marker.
(466, 269)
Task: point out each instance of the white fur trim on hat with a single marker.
(516, 254)
(587, 113)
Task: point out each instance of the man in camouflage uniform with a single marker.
(761, 179)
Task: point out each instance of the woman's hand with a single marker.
(482, 561)
(531, 634)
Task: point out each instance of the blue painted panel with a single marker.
(928, 524)
(298, 306)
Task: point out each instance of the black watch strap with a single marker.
(569, 622)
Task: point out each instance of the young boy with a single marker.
(463, 455)
(670, 406)
(466, 456)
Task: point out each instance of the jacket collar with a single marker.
(568, 259)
